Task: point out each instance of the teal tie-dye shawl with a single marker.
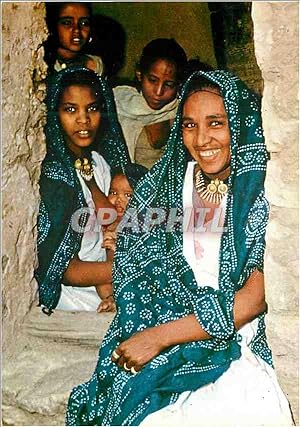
(60, 189)
(154, 284)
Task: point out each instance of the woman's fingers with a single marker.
(107, 305)
(127, 365)
(115, 356)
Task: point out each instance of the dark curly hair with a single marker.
(167, 49)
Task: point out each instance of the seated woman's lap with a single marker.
(248, 392)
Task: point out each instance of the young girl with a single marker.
(147, 111)
(73, 268)
(123, 182)
(69, 26)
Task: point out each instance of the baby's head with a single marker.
(123, 182)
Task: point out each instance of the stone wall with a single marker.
(23, 31)
(276, 44)
(233, 36)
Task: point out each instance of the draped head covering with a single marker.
(154, 284)
(132, 171)
(60, 189)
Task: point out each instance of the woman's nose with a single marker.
(83, 117)
(76, 28)
(202, 137)
(119, 198)
(159, 90)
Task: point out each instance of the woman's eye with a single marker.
(188, 125)
(128, 195)
(216, 123)
(151, 80)
(70, 109)
(65, 21)
(84, 22)
(170, 85)
(93, 108)
(112, 193)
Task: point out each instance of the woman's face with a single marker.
(73, 29)
(159, 84)
(80, 117)
(205, 130)
(120, 193)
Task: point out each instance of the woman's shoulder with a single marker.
(95, 62)
(57, 173)
(130, 102)
(125, 92)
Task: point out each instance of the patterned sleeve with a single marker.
(214, 308)
(54, 246)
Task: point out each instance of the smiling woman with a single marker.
(206, 132)
(188, 345)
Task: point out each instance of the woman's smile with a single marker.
(84, 133)
(209, 153)
(205, 131)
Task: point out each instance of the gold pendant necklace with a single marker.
(85, 168)
(213, 192)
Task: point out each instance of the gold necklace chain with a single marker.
(213, 192)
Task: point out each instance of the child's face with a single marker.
(159, 84)
(73, 28)
(120, 193)
(80, 117)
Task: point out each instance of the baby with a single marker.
(123, 182)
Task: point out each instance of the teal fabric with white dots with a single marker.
(154, 284)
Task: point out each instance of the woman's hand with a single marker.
(107, 305)
(138, 350)
(105, 293)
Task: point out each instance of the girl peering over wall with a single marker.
(70, 33)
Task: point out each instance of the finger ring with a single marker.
(115, 355)
(126, 367)
(133, 371)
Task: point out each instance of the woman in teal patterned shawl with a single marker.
(171, 336)
(60, 189)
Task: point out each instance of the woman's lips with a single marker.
(209, 153)
(84, 133)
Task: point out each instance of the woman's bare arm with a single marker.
(88, 273)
